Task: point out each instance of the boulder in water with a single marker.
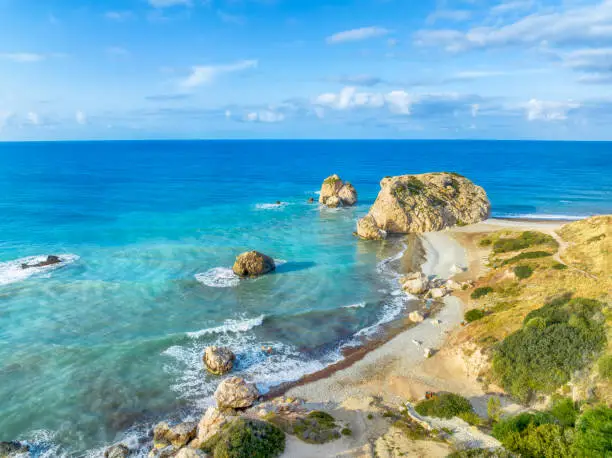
(253, 264)
(13, 449)
(236, 393)
(51, 259)
(176, 436)
(219, 360)
(116, 451)
(428, 202)
(336, 193)
(368, 230)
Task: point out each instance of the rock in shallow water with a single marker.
(428, 202)
(51, 260)
(219, 360)
(116, 451)
(336, 193)
(253, 264)
(236, 393)
(13, 449)
(368, 230)
(176, 436)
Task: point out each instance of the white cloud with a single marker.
(80, 117)
(449, 15)
(23, 57)
(541, 110)
(475, 109)
(33, 118)
(119, 16)
(512, 7)
(206, 74)
(266, 116)
(349, 98)
(572, 25)
(357, 34)
(168, 3)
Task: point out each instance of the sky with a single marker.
(166, 69)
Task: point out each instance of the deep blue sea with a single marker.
(91, 351)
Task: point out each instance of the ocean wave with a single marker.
(12, 272)
(218, 277)
(230, 326)
(268, 206)
(359, 305)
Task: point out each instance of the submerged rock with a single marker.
(253, 264)
(51, 259)
(219, 360)
(13, 449)
(428, 202)
(176, 436)
(368, 230)
(116, 451)
(336, 193)
(236, 393)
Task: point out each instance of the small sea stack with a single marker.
(253, 264)
(218, 360)
(337, 193)
(51, 260)
(424, 203)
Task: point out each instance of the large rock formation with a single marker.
(219, 360)
(253, 264)
(424, 203)
(336, 193)
(236, 393)
(177, 436)
(210, 424)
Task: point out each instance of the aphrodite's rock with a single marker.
(333, 202)
(367, 229)
(438, 293)
(13, 449)
(416, 316)
(428, 202)
(51, 259)
(116, 451)
(219, 360)
(253, 264)
(210, 424)
(336, 193)
(415, 283)
(177, 436)
(236, 393)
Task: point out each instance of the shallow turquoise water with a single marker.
(114, 339)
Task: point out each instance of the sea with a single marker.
(98, 349)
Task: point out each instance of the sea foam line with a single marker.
(218, 277)
(230, 326)
(12, 272)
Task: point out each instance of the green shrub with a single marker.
(565, 411)
(527, 255)
(246, 438)
(471, 418)
(545, 352)
(315, 428)
(346, 432)
(523, 272)
(481, 453)
(494, 409)
(525, 240)
(593, 433)
(485, 242)
(605, 367)
(474, 315)
(481, 292)
(444, 405)
(559, 266)
(548, 440)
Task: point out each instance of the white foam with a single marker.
(268, 206)
(12, 272)
(359, 305)
(230, 326)
(279, 262)
(218, 277)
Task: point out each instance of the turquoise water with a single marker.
(111, 341)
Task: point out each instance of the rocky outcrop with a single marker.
(218, 360)
(368, 230)
(428, 202)
(336, 193)
(210, 424)
(51, 260)
(177, 436)
(116, 451)
(415, 283)
(253, 264)
(13, 449)
(236, 393)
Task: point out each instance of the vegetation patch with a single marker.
(481, 292)
(525, 240)
(246, 438)
(555, 341)
(522, 272)
(604, 367)
(481, 453)
(315, 428)
(526, 255)
(558, 266)
(474, 315)
(444, 405)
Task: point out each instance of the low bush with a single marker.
(525, 240)
(565, 411)
(316, 427)
(554, 342)
(246, 438)
(481, 292)
(604, 367)
(522, 272)
(558, 266)
(346, 432)
(481, 453)
(526, 255)
(474, 315)
(494, 409)
(444, 405)
(593, 433)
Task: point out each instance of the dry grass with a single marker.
(590, 245)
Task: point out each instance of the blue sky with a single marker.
(135, 69)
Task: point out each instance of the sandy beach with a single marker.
(398, 371)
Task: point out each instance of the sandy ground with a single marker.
(398, 371)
